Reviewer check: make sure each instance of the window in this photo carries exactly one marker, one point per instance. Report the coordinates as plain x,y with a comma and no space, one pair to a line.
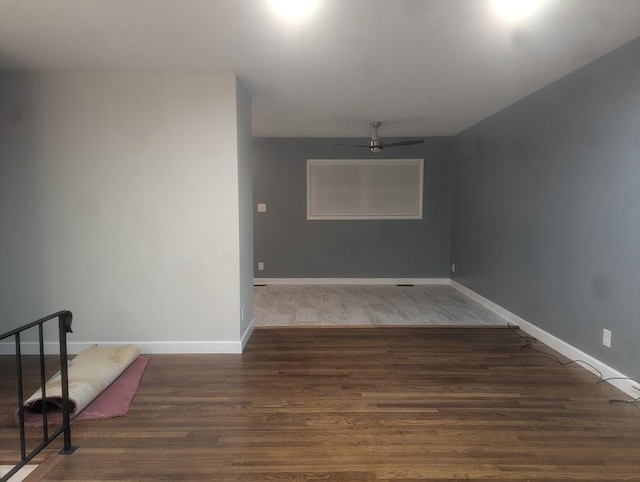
364,188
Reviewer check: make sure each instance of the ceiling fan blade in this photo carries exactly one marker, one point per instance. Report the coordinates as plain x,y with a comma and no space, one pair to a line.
353,145
404,143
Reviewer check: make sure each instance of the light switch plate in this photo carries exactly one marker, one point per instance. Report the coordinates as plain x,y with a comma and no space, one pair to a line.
262,208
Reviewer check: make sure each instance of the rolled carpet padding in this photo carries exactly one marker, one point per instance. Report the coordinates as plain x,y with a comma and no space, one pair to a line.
90,373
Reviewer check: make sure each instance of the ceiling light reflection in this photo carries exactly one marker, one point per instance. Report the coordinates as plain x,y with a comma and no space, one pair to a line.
516,10
293,11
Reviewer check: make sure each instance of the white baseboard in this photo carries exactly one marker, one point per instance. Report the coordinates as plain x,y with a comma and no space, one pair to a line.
244,339
351,281
571,352
146,347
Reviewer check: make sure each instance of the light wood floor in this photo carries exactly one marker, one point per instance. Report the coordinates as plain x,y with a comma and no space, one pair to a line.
357,404
368,305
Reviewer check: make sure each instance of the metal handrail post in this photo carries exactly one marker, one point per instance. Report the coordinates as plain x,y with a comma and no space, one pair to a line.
64,326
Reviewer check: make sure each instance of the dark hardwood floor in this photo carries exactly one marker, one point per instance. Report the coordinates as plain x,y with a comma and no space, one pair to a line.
357,404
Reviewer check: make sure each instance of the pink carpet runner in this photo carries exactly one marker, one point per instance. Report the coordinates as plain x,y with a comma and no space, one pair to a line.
113,402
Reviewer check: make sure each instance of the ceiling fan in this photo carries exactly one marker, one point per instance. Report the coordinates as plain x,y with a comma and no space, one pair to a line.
376,144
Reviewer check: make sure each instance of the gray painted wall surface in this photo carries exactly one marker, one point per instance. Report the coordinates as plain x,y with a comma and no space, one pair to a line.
119,200
546,215
245,204
291,246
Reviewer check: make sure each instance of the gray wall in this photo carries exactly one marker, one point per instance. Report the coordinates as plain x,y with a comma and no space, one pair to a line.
120,200
245,205
291,246
546,215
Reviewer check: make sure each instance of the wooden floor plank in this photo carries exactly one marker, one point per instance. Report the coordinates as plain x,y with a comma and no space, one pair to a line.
357,404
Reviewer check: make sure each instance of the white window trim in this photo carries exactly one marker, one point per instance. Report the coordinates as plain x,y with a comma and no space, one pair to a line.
364,162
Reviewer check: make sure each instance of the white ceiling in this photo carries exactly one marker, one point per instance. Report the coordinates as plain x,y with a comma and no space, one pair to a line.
424,67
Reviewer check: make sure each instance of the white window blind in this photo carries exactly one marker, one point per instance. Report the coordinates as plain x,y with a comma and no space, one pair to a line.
364,188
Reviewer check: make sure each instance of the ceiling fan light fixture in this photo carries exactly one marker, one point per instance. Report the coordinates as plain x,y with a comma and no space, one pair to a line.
376,144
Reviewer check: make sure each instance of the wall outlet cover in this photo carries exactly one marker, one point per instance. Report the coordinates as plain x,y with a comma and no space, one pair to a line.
606,338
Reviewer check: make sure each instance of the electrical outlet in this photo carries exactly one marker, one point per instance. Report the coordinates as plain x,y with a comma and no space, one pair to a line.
242,313
262,208
453,267
260,266
606,338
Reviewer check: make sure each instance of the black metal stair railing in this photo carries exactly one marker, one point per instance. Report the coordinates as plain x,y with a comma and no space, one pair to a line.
64,327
